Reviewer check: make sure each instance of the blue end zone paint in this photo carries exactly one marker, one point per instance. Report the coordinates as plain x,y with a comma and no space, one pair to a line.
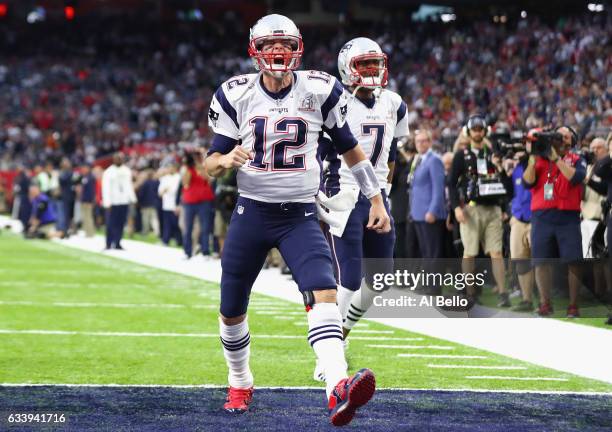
171,409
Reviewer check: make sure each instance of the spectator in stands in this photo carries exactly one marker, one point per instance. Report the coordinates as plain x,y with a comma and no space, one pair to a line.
556,182
427,203
117,194
198,199
168,189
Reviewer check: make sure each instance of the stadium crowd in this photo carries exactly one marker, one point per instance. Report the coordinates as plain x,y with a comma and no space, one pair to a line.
87,91
121,89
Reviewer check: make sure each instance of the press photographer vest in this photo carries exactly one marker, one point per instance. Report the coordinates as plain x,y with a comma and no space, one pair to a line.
471,164
565,195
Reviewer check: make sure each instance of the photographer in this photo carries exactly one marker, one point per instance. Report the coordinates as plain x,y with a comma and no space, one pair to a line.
477,188
555,177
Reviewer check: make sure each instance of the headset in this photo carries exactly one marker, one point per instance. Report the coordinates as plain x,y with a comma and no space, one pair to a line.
575,138
476,120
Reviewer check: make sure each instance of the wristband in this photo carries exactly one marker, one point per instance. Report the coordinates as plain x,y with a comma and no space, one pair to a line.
366,178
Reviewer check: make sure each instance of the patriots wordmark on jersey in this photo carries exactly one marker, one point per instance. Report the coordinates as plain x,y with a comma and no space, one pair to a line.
281,130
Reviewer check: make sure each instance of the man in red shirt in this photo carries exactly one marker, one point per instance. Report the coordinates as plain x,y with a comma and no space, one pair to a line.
198,201
556,187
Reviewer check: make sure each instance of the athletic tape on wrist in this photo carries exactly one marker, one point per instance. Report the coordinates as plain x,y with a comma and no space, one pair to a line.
366,178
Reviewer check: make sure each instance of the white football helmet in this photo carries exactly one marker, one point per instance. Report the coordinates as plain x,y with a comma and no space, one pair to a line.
354,74
275,27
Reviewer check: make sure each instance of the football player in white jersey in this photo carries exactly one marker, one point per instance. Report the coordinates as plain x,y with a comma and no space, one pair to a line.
377,118
267,126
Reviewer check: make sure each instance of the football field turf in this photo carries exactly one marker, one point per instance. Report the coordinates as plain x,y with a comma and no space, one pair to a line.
72,317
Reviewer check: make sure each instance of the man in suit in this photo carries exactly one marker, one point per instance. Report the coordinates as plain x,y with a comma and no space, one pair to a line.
427,202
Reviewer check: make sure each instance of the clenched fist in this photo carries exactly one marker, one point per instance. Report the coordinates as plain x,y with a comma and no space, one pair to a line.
236,158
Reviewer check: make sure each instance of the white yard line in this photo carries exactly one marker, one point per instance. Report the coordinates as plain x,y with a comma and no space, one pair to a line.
543,342
46,332
107,305
447,356
288,388
434,347
363,331
356,327
443,366
258,312
493,377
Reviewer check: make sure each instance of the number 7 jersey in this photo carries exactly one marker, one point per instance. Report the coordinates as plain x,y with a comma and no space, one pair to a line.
281,130
375,124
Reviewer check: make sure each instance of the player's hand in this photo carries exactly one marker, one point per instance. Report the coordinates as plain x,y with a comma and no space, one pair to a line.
460,215
236,158
379,220
430,218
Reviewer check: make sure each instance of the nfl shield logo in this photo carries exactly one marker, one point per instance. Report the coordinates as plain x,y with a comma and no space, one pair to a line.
240,209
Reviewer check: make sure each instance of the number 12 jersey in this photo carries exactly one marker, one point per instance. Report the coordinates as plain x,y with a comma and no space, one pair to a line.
282,130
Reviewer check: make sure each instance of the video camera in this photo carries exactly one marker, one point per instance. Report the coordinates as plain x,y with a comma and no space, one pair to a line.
507,144
543,141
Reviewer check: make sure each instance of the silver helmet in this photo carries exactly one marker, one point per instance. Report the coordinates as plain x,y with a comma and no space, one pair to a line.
362,63
275,28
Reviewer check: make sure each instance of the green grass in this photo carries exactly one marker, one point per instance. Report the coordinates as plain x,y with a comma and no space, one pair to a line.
45,274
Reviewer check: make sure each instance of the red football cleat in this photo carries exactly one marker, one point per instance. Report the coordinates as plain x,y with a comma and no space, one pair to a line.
238,400
350,394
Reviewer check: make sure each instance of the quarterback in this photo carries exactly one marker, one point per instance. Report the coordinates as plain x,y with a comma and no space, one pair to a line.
267,126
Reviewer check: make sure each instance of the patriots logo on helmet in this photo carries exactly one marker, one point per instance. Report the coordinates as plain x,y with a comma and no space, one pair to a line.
347,46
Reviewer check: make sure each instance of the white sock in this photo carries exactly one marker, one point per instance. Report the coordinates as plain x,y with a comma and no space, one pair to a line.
236,342
325,338
344,297
360,303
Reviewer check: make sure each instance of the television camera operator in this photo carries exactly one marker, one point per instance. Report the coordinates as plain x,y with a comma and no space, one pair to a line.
555,176
478,189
